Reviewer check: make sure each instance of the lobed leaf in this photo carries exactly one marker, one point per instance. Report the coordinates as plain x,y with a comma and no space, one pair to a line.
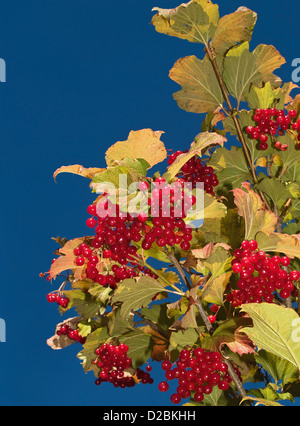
200,91
142,144
251,208
243,68
273,330
195,21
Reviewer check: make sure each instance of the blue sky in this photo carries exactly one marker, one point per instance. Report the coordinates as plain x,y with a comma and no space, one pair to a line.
81,76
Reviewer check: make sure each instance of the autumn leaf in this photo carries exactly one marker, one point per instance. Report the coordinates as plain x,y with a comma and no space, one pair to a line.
195,21
198,147
142,144
78,170
159,344
279,243
243,68
200,91
252,209
58,342
233,29
229,334
66,260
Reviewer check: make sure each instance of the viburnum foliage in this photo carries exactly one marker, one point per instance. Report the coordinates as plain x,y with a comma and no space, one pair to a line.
210,290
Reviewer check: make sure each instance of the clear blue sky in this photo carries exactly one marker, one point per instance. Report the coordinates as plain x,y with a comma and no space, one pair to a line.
80,76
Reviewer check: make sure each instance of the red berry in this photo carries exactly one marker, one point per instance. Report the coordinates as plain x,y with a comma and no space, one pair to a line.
91,222
211,318
292,113
80,261
163,387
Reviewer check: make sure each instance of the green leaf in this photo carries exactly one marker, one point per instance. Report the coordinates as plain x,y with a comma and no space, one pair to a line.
85,328
290,157
195,21
93,341
158,315
84,304
140,347
278,368
136,294
261,401
263,97
200,92
275,190
273,330
230,167
182,338
118,325
270,393
243,68
233,29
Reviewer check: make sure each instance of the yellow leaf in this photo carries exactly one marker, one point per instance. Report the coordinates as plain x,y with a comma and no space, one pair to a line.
78,170
144,144
252,209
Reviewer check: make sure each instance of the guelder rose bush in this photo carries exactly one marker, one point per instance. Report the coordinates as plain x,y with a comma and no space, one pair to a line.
214,301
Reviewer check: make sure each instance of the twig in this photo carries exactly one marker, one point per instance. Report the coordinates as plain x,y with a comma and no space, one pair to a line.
204,316
180,270
236,381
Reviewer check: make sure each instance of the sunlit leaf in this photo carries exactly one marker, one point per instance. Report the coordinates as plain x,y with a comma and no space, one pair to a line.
200,91
252,209
273,330
243,68
195,21
233,29
142,144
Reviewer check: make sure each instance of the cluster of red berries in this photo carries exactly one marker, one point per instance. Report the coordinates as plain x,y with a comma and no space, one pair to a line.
196,171
271,122
261,276
72,333
198,371
88,255
113,362
61,300
162,221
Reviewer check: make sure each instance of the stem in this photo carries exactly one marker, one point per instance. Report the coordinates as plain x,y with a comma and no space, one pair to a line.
232,113
204,316
236,381
180,271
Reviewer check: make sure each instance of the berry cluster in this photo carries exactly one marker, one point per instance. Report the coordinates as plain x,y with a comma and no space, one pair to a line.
88,255
164,211
73,334
198,371
271,122
260,276
59,299
195,170
113,362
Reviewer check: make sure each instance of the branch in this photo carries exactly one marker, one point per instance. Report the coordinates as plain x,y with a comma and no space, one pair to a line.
236,380
180,271
232,113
